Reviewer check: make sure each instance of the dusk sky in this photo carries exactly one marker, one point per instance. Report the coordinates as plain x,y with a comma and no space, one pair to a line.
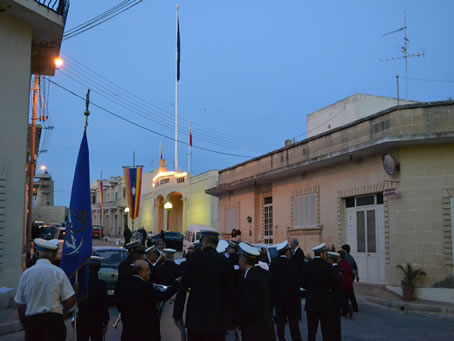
250,73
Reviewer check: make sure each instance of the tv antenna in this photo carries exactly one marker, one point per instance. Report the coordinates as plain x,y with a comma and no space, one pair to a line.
405,54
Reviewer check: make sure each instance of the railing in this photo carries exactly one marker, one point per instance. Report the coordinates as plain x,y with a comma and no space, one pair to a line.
58,6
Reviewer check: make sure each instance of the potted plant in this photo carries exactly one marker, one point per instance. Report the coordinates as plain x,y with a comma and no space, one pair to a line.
408,282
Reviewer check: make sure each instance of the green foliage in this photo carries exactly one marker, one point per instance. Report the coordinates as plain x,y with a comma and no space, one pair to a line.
410,275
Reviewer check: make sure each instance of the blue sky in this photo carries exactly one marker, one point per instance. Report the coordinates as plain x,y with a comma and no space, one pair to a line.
250,73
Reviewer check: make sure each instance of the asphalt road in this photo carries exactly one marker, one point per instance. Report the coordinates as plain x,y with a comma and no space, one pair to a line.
371,323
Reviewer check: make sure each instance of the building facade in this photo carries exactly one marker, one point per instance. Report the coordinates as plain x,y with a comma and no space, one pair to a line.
383,184
112,217
189,204
30,39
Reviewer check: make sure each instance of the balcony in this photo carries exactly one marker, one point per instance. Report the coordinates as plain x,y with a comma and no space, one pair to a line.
46,19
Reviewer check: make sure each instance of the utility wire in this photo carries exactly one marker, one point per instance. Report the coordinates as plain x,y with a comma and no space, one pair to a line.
196,128
145,128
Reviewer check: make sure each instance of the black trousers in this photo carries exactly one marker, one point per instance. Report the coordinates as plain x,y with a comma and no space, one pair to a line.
194,335
292,317
350,295
45,327
89,330
328,325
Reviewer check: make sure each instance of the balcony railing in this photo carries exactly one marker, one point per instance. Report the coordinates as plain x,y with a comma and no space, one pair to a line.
58,6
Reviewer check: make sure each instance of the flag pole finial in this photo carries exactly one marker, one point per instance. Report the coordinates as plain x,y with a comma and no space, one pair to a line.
87,112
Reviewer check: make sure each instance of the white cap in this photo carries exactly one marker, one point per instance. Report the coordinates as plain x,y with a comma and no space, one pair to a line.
96,259
332,254
249,251
319,248
172,251
222,246
45,245
282,246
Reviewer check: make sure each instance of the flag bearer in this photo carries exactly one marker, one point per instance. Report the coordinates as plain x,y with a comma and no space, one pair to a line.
43,291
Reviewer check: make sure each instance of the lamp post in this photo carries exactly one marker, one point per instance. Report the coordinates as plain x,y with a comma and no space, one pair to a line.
168,206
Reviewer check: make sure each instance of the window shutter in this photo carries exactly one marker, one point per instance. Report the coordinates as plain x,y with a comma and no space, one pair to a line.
304,211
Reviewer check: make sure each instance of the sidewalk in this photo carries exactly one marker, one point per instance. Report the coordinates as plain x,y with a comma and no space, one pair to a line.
9,320
378,294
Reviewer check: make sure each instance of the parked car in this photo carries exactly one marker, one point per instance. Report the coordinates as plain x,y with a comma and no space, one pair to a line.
173,239
47,231
97,232
112,257
193,234
60,235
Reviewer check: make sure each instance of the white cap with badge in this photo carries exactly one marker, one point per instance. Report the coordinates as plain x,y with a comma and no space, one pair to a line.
222,246
45,245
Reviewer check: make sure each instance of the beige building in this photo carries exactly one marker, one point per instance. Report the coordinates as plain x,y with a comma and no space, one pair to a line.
190,205
383,183
113,218
30,39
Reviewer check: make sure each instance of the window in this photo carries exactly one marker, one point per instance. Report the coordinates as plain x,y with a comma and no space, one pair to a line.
116,195
93,199
231,219
268,219
365,201
124,192
180,180
304,211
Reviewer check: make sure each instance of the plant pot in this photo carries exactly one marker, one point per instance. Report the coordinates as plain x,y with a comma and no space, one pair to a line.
408,293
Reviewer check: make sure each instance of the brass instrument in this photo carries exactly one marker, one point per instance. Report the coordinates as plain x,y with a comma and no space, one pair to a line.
117,321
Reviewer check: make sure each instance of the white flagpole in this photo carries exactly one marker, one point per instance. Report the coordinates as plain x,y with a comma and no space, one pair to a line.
176,99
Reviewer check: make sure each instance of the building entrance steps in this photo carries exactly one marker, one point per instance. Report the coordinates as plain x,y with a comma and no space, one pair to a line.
379,294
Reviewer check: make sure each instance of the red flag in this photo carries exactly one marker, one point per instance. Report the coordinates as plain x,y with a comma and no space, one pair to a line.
190,137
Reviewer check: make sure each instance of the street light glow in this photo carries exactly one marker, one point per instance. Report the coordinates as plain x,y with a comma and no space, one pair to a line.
58,62
168,205
43,167
126,209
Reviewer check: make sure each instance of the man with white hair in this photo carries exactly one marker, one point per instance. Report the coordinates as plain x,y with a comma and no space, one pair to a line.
43,291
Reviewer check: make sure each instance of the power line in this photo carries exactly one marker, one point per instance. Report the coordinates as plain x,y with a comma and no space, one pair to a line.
145,128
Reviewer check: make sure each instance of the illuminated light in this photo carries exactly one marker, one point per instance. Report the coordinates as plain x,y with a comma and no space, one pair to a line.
126,209
58,62
42,167
168,205
175,174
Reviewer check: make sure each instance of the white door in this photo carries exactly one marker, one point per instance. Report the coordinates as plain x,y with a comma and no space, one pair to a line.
365,234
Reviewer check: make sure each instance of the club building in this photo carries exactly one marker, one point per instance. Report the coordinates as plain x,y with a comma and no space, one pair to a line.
170,201
373,174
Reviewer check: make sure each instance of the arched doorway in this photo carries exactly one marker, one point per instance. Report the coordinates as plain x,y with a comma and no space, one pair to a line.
160,213
175,214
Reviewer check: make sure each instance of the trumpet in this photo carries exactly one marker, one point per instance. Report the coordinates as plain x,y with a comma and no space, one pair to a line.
117,321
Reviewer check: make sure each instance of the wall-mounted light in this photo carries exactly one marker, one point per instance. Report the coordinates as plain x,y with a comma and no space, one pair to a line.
168,205
249,219
126,209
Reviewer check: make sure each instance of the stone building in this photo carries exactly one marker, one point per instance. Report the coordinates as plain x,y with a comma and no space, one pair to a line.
383,183
113,218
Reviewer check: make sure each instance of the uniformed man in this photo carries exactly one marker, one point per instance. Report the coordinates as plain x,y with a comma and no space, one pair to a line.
43,291
93,316
299,258
207,277
253,303
222,247
167,272
333,258
139,300
320,280
285,292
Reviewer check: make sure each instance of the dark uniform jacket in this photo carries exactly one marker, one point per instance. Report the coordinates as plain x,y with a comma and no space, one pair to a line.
254,310
338,290
139,315
93,310
207,277
124,274
166,273
298,258
320,281
285,287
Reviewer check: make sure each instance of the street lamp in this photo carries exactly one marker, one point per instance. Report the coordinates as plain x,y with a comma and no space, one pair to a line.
168,206
58,62
42,168
126,209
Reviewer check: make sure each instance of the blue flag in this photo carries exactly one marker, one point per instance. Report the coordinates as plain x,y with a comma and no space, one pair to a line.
77,247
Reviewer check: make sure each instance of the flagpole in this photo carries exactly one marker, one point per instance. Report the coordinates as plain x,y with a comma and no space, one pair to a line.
76,309
189,148
102,199
176,92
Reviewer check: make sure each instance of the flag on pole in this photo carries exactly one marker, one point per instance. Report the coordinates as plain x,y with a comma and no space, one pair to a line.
190,135
101,195
77,247
178,49
133,179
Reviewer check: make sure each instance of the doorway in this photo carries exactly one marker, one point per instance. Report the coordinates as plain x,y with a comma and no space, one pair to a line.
366,235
